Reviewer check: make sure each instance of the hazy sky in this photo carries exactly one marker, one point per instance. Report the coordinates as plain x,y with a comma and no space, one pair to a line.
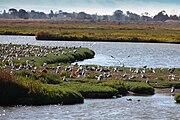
95,6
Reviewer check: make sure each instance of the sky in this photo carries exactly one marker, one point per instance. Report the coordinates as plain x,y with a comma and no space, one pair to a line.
101,7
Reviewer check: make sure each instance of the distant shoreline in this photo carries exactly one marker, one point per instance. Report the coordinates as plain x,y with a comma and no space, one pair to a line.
84,40
166,90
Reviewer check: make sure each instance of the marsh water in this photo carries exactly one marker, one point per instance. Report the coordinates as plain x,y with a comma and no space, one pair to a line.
153,55
158,106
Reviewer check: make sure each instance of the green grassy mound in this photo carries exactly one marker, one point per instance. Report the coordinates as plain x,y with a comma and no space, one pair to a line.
90,90
177,98
23,91
139,88
120,86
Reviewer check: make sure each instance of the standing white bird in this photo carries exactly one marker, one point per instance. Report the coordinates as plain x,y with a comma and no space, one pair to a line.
172,89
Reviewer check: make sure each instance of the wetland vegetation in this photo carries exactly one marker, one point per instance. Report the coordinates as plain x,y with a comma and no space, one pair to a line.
38,75
110,31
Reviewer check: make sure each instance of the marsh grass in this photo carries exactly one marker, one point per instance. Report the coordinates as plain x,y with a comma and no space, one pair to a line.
134,31
140,88
177,97
11,89
119,85
20,90
91,90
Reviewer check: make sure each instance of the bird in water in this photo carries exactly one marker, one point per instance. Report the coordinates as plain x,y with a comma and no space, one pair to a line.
128,99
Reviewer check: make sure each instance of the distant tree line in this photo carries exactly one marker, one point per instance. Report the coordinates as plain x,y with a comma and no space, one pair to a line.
117,15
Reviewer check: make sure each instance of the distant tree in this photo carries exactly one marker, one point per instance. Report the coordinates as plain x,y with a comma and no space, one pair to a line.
5,15
132,16
12,10
42,15
146,13
14,13
118,15
145,16
23,14
33,11
4,12
83,15
60,11
173,17
105,17
161,16
51,14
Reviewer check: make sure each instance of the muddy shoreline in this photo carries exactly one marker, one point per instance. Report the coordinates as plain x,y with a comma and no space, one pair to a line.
166,90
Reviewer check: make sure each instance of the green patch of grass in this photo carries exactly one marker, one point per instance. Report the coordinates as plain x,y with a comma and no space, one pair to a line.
166,84
91,90
139,88
120,86
134,31
177,97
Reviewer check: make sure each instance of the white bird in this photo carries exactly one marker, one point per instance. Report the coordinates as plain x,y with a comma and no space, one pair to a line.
132,77
154,71
172,89
100,77
137,70
64,78
124,75
143,76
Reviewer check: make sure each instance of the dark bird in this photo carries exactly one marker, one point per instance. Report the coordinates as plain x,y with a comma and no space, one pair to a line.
113,57
145,66
147,81
128,99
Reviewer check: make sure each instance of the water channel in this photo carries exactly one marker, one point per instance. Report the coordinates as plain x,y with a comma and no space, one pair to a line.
153,55
158,106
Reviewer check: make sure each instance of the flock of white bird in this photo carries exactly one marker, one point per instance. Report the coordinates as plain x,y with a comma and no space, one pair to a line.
10,52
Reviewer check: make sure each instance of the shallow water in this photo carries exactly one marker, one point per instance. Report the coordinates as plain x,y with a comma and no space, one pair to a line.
151,54
158,106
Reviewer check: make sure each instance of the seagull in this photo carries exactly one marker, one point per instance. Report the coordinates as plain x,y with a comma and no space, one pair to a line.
124,75
120,61
64,78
